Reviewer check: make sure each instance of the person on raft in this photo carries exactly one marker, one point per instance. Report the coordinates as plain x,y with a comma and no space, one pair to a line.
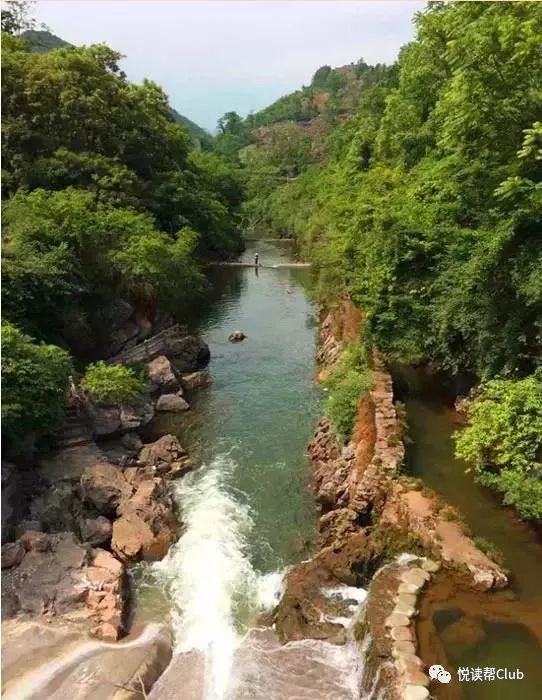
256,259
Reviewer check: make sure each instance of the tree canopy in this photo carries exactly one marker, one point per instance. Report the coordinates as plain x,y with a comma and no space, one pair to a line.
106,197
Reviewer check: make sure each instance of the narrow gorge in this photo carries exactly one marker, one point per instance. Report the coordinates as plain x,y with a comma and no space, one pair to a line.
272,392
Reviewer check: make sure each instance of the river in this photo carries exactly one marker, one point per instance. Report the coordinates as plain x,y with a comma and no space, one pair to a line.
246,509
248,514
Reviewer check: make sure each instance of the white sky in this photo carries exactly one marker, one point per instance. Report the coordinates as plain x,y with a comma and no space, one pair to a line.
212,56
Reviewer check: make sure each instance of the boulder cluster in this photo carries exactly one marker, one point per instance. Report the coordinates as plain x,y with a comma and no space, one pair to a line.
69,558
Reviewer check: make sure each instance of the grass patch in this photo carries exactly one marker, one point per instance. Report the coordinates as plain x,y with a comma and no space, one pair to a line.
347,382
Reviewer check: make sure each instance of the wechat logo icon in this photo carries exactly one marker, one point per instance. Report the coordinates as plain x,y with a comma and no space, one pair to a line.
439,673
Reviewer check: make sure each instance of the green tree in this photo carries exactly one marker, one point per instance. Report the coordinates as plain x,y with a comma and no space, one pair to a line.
112,383
34,383
504,440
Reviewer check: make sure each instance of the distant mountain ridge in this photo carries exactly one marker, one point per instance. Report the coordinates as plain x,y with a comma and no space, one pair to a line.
43,40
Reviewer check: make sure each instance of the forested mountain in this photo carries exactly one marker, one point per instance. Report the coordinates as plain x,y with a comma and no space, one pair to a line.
41,40
197,132
425,206
107,207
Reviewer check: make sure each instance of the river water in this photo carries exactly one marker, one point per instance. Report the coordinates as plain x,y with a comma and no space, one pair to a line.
247,510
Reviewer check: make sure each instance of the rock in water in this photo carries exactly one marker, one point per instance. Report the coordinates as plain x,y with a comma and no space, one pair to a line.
172,403
195,380
236,337
167,456
162,375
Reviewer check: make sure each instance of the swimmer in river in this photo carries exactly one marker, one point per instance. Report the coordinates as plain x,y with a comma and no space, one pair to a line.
256,259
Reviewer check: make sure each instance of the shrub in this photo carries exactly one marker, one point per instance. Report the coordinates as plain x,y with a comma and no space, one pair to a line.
112,383
504,440
347,382
34,381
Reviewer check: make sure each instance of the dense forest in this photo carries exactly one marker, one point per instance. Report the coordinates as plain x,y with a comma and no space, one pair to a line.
110,209
416,189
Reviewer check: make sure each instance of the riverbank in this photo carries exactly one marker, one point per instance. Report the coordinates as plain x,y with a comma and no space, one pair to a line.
99,503
371,513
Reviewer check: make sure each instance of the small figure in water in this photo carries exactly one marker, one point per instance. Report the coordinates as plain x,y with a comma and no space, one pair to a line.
256,259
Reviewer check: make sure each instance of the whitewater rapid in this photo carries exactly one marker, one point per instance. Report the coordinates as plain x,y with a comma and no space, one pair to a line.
213,587
217,596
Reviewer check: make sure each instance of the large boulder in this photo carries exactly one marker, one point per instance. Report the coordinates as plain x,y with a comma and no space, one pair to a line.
162,375
103,486
111,418
55,509
195,380
171,403
188,353
137,414
165,457
104,418
96,530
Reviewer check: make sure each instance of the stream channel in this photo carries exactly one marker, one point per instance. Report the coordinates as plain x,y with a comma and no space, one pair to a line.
248,513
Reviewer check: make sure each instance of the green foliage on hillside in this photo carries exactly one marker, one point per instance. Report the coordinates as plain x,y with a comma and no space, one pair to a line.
504,440
199,135
426,203
41,40
34,381
106,197
112,383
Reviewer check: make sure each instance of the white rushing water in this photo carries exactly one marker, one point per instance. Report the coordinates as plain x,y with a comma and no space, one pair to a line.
217,595
210,578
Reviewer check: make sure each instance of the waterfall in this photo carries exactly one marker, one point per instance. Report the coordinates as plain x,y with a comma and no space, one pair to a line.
208,573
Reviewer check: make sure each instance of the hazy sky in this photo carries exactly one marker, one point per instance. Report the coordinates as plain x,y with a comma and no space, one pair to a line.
212,56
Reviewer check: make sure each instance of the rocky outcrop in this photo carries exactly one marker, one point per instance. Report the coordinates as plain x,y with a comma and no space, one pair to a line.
60,566
171,403
112,418
438,527
165,457
369,514
53,575
52,660
162,376
140,506
187,353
